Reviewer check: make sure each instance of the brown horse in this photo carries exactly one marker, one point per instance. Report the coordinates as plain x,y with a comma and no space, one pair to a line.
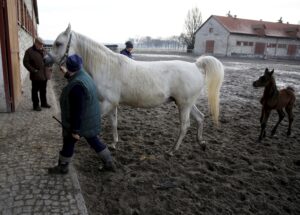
274,99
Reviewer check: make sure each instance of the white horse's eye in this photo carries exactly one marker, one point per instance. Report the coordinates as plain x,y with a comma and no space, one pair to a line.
58,44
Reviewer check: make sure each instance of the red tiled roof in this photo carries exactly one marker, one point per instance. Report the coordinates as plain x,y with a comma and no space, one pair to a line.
257,27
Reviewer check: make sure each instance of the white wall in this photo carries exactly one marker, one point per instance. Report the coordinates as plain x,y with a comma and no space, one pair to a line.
233,49
219,35
225,44
25,41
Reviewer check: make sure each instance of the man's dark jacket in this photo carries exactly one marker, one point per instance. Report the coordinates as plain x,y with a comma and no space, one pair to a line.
33,62
87,121
126,53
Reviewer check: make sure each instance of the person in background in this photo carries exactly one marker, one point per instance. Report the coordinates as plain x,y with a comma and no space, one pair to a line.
33,62
80,114
128,49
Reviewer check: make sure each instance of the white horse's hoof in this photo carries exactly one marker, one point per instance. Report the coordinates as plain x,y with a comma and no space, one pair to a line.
203,145
201,142
171,153
112,146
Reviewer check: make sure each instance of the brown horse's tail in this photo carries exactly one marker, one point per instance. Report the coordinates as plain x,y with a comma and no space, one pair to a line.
293,97
290,89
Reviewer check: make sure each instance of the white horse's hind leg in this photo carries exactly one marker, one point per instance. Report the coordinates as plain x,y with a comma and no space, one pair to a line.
184,123
200,119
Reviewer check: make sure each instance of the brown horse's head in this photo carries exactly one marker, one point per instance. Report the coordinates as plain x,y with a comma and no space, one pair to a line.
265,79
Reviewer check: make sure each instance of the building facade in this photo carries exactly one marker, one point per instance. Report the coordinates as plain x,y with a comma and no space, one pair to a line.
18,28
231,36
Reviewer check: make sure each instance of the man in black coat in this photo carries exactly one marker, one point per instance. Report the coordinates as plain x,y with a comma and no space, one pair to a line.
33,62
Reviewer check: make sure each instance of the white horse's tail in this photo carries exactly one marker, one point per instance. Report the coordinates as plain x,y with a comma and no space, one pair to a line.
214,74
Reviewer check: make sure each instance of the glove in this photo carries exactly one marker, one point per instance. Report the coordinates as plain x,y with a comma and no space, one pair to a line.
76,136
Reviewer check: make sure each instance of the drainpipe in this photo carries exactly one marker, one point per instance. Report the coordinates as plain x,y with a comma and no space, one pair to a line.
276,48
32,18
227,45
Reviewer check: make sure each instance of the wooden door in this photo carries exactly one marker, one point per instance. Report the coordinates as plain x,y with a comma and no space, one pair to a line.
6,96
10,53
209,48
291,51
260,48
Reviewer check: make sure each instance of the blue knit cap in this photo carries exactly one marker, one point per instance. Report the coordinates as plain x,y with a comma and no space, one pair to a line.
129,44
74,63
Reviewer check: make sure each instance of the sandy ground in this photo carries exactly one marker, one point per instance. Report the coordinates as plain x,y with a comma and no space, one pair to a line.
234,175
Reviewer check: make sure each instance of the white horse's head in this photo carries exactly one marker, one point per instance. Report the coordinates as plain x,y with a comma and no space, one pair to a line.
60,49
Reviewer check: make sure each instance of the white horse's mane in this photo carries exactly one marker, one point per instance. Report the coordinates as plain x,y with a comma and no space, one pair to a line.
97,56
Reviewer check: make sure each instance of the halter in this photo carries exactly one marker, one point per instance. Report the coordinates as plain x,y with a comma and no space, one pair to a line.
64,57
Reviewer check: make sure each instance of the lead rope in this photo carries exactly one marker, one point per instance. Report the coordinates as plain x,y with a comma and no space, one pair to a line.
63,59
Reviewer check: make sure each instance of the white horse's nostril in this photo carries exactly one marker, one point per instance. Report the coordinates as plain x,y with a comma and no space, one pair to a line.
48,60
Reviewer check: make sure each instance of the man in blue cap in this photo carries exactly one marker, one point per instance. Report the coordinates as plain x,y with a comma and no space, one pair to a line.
127,51
80,114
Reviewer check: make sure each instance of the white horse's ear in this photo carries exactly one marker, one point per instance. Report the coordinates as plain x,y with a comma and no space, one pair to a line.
68,30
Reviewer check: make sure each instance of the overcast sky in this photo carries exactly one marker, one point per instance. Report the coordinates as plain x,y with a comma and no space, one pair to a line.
114,21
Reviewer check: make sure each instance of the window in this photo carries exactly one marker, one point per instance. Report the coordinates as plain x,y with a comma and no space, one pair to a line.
282,46
22,13
24,18
211,30
18,11
271,45
244,43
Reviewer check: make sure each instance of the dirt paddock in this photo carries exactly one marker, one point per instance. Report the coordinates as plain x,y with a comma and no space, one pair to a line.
234,175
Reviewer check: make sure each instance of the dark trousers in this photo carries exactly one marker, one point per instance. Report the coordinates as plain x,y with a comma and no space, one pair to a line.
69,144
39,87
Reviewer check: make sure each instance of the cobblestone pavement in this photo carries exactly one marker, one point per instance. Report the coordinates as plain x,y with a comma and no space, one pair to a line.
29,144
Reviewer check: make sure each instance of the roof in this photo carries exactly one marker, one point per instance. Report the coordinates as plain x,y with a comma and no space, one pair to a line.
258,27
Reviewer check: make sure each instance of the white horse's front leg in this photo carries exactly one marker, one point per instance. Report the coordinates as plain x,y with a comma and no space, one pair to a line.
113,115
184,124
105,107
108,108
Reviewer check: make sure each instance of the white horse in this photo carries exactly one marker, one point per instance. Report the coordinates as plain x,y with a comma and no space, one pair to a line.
123,81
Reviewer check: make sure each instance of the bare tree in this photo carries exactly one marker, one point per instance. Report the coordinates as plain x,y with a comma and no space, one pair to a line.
192,23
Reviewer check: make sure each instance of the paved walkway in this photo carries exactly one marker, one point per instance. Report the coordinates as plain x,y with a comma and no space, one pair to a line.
29,144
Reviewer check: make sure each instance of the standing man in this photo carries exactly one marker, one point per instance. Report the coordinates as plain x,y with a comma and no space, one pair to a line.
80,114
33,62
127,51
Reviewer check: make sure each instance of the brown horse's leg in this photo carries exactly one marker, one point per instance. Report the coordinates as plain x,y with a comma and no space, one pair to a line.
281,116
263,124
289,110
262,114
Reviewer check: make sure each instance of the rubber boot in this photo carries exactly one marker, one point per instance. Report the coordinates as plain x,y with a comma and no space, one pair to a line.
107,160
62,167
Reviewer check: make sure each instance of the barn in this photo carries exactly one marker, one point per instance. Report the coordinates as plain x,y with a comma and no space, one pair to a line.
232,36
18,28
